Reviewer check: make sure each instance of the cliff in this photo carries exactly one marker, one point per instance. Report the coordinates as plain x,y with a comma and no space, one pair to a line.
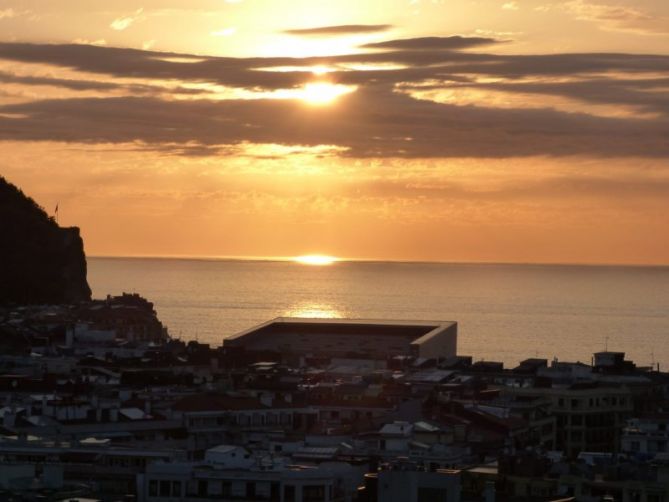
40,262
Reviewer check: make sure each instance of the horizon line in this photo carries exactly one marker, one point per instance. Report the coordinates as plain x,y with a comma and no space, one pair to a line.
292,259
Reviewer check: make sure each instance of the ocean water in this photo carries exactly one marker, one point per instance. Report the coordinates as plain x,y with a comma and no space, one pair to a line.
505,312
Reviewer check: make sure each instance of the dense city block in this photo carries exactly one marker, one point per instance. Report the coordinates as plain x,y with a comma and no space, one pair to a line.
99,402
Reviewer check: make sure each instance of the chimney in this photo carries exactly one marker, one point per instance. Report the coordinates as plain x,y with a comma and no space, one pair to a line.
266,399
9,418
489,491
69,336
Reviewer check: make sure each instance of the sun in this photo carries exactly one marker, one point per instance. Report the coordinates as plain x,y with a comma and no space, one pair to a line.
323,93
315,259
318,93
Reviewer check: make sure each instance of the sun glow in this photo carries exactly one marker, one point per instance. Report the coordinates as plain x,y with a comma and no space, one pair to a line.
322,93
315,259
314,93
318,70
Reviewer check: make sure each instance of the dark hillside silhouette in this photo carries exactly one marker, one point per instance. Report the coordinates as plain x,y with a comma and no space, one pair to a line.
40,262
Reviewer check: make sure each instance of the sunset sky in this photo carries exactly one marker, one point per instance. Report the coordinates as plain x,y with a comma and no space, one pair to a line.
452,130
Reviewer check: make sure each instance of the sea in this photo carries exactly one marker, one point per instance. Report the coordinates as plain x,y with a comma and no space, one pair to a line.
504,312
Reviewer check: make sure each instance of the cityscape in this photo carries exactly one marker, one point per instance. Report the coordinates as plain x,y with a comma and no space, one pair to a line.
99,402
334,251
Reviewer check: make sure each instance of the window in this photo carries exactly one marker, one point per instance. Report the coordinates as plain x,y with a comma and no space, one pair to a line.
274,491
250,490
289,493
432,494
313,493
165,489
153,488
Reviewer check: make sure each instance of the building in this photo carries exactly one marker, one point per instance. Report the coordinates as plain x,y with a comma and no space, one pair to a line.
646,436
403,481
106,470
590,416
349,338
234,473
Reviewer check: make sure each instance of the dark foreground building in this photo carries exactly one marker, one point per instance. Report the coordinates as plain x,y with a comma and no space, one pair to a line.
365,338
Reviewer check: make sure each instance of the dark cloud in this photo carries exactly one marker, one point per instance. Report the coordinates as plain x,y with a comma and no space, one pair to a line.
243,72
75,85
369,123
432,43
637,93
95,85
376,120
132,63
344,29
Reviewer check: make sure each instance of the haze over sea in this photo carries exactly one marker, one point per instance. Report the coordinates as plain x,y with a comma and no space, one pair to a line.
505,312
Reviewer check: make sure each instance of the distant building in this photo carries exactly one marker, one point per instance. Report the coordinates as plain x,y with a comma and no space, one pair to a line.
646,436
407,482
590,417
233,473
350,338
108,471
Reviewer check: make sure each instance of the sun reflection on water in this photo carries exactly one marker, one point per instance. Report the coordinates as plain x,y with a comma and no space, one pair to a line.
315,310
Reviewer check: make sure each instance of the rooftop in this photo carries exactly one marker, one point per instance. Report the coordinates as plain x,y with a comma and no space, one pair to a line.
371,338
337,327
